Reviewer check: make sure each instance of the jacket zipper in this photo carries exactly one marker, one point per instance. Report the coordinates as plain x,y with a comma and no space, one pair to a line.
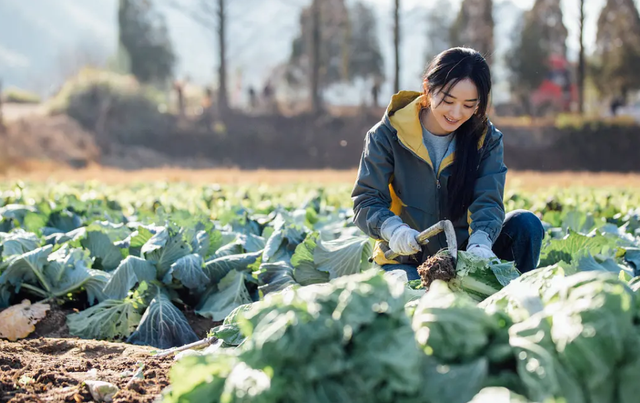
435,174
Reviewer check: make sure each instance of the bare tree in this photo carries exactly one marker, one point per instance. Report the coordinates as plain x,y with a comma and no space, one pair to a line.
211,15
315,56
223,100
617,53
396,45
581,62
319,54
474,27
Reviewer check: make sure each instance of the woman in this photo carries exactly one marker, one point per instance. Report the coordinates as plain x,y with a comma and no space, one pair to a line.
436,156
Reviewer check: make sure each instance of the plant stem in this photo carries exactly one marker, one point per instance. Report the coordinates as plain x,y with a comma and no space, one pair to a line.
134,376
201,343
35,289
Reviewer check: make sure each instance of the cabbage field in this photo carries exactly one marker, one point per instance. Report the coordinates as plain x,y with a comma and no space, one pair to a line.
277,282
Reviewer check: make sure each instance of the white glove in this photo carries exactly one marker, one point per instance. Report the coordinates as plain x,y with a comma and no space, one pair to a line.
401,237
403,241
482,251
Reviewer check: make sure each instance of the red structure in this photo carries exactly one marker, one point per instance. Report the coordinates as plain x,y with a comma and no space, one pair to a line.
558,91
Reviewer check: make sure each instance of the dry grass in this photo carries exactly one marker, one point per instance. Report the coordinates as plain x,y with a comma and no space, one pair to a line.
526,180
222,176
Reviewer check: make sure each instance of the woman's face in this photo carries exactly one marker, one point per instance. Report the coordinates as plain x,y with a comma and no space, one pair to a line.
450,109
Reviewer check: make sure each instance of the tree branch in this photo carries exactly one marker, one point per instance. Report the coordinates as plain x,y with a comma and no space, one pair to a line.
204,18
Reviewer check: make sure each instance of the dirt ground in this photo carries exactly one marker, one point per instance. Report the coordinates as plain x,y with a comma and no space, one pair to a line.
53,370
51,366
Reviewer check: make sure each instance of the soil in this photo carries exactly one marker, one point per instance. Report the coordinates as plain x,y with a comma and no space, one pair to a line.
440,266
54,369
56,139
51,365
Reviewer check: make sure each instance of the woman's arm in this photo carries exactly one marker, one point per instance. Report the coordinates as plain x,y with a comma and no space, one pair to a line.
486,212
371,195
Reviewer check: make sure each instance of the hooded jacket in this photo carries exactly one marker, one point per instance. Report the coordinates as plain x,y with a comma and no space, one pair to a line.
396,177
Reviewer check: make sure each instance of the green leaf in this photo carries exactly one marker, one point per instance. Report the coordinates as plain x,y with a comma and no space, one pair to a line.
164,249
63,221
455,383
505,272
583,261
28,268
282,243
567,248
452,328
233,248
34,222
476,278
275,277
578,221
68,271
115,232
632,257
232,292
131,271
109,320
17,242
217,268
273,244
188,270
162,325
522,297
251,243
139,237
339,257
305,269
199,378
229,331
72,237
16,212
107,255
5,295
541,372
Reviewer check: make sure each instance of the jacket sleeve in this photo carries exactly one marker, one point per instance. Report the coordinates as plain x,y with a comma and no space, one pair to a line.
486,212
371,195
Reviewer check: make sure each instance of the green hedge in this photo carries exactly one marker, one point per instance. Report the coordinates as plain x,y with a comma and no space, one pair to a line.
128,111
19,96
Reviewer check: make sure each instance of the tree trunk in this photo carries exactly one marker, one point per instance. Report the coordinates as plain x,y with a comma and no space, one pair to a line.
315,56
223,104
581,62
396,45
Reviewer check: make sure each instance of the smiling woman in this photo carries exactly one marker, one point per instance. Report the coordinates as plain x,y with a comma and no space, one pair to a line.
436,156
453,107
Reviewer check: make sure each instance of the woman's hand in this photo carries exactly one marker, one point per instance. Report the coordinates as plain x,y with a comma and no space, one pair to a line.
401,237
482,251
403,241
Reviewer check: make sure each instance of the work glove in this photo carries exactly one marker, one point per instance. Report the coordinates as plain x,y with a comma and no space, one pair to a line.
482,251
401,237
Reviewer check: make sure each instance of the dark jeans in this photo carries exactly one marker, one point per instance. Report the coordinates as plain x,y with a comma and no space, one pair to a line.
519,241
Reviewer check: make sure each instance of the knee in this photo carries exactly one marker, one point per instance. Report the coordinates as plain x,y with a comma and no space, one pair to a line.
528,222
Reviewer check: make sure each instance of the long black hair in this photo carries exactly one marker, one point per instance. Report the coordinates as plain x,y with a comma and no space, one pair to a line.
443,73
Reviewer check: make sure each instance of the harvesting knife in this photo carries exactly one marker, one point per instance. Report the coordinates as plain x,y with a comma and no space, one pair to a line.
423,238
